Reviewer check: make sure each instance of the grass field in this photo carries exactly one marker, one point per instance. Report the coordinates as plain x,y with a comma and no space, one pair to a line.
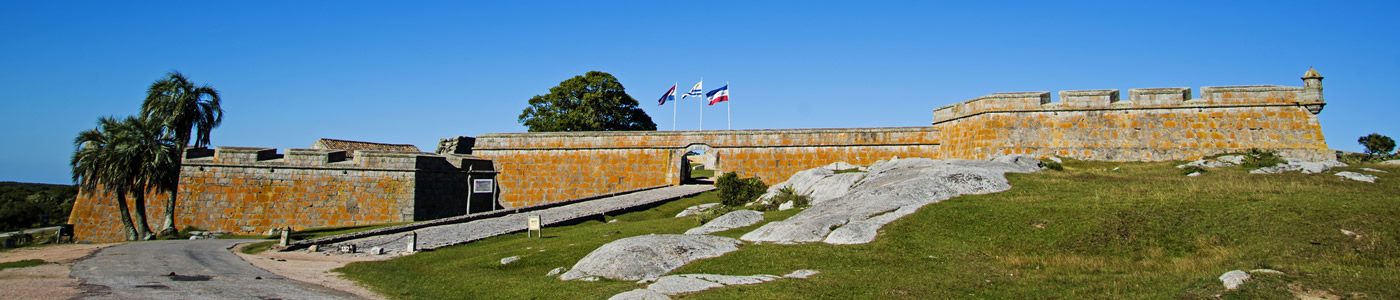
21,263
702,173
1140,231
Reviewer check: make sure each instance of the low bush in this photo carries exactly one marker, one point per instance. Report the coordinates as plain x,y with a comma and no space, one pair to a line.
18,240
1053,165
1255,158
735,192
789,194
1356,158
851,170
1192,169
712,213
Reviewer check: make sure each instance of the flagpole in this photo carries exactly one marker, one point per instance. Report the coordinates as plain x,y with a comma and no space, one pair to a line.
673,105
702,104
727,104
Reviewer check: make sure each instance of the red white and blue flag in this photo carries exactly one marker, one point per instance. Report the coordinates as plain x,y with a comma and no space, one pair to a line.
669,96
718,95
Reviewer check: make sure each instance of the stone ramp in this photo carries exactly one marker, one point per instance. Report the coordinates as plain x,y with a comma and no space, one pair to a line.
433,237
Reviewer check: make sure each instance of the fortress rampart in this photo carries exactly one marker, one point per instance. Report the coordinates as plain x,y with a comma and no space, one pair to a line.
539,168
251,190
1150,125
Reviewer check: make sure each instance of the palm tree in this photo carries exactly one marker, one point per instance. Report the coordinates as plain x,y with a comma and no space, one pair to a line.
186,111
96,163
150,158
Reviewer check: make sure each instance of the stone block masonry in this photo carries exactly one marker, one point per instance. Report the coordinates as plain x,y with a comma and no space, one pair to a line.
1152,125
252,190
538,168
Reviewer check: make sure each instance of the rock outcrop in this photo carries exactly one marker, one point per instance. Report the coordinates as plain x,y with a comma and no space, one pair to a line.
697,209
728,221
888,191
648,256
1306,167
1357,176
820,184
690,283
1233,279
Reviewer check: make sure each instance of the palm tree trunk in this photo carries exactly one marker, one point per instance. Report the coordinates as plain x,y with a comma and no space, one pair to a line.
127,226
140,213
168,227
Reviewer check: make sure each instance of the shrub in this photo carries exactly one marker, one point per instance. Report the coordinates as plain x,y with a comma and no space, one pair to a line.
19,239
1050,164
851,170
1192,169
1377,144
712,213
1255,158
789,194
734,192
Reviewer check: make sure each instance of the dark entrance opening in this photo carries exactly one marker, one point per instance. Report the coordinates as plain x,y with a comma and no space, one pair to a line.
699,164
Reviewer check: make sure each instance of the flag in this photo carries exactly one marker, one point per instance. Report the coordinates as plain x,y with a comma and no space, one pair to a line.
669,96
695,91
718,95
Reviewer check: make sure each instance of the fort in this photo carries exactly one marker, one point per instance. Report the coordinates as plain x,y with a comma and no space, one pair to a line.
251,190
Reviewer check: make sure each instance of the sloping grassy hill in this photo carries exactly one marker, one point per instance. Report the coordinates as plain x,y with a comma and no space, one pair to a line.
1095,230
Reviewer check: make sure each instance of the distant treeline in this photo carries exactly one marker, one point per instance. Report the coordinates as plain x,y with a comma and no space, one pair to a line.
25,205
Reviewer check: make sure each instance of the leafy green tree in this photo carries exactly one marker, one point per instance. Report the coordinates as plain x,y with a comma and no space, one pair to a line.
595,101
24,205
189,113
1377,144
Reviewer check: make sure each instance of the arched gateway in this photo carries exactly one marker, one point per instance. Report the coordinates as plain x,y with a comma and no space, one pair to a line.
538,168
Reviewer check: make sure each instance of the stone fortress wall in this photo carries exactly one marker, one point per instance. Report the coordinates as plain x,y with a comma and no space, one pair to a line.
1150,125
252,190
539,168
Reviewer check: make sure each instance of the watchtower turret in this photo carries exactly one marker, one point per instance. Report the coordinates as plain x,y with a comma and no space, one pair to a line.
1312,91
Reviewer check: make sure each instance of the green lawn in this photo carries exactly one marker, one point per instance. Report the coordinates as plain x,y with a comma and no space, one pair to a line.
702,173
21,263
1142,231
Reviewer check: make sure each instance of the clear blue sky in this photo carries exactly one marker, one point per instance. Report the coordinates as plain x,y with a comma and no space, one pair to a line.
412,73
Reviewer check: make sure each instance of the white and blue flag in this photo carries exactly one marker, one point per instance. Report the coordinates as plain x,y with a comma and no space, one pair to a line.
696,91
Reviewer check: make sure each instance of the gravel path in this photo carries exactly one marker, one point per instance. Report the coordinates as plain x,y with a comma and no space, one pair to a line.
452,234
186,269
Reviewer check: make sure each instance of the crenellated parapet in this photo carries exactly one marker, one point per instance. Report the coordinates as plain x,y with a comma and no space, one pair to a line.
333,159
1149,124
1308,96
250,190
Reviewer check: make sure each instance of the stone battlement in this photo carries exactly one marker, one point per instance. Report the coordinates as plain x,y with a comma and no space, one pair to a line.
1148,98
332,159
250,190
717,138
